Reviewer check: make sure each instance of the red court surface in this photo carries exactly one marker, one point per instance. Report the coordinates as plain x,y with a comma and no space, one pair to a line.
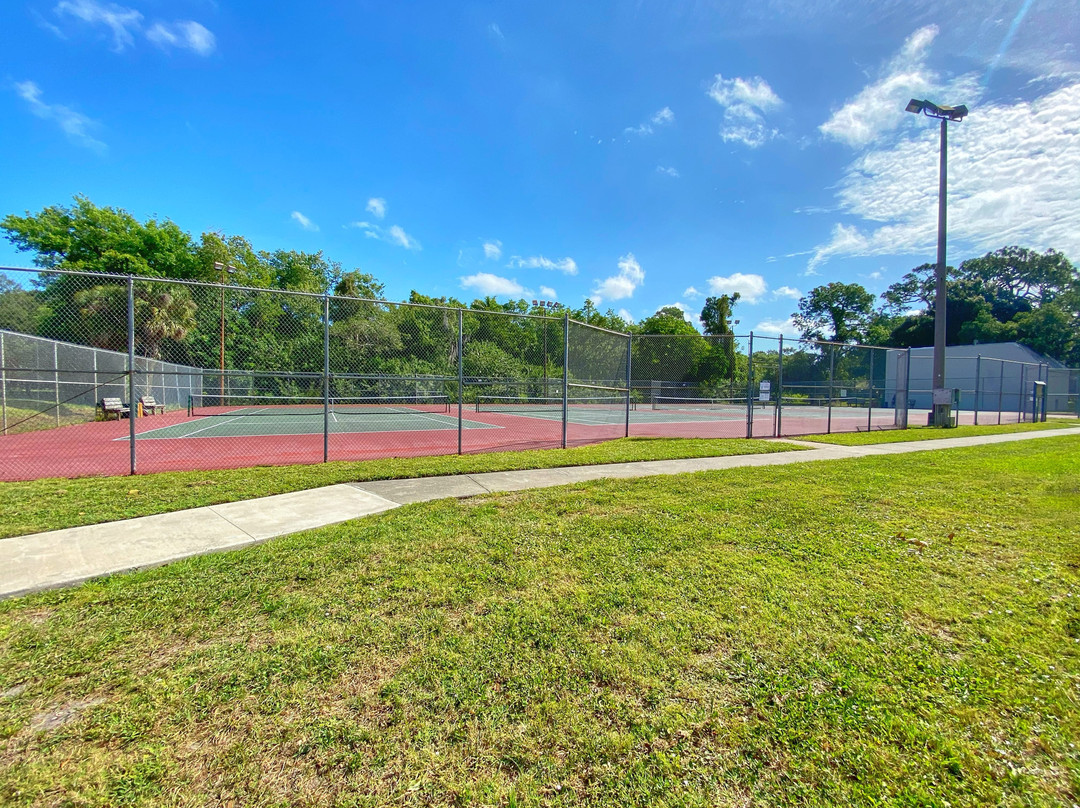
102,448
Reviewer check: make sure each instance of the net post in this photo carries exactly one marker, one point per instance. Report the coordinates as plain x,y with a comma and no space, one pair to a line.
326,378
750,387
978,378
778,420
132,406
565,375
629,368
461,374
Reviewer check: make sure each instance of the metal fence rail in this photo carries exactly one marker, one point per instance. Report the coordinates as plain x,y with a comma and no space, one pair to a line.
222,376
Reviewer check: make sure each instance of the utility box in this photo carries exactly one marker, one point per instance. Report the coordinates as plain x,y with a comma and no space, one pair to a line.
1038,402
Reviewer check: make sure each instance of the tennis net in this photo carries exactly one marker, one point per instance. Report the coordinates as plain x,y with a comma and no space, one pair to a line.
685,404
236,406
549,404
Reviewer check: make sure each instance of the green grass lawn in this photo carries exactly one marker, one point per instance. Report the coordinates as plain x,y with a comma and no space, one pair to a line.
900,630
930,433
30,507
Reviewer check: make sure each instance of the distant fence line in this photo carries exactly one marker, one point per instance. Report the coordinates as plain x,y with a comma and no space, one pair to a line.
433,379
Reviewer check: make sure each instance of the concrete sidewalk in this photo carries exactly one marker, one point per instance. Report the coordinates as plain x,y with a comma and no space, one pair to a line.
65,557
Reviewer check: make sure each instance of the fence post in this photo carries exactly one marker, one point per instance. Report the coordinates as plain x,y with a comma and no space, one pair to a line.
870,395
629,370
56,383
779,425
832,366
750,387
326,378
1020,408
978,385
565,375
461,372
133,406
3,383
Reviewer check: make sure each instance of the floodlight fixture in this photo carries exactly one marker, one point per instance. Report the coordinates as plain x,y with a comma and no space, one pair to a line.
932,110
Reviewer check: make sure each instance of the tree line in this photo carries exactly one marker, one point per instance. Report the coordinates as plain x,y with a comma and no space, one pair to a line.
1011,294
266,331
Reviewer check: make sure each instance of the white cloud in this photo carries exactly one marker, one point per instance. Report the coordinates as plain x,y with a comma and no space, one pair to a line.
787,291
1014,171
183,34
776,327
74,124
879,107
304,221
493,250
565,265
668,171
486,283
548,293
745,103
402,239
625,315
376,206
622,285
663,117
691,293
496,31
392,235
119,20
751,288
124,23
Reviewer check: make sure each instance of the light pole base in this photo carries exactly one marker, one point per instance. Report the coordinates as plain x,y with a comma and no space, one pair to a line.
942,416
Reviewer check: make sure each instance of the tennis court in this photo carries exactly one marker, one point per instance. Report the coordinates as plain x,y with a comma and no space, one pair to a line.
269,417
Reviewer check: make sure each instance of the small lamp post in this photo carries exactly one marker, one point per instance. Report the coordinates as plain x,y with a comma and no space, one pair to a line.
942,397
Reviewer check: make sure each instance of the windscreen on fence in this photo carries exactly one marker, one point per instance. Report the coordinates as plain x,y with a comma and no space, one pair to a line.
206,375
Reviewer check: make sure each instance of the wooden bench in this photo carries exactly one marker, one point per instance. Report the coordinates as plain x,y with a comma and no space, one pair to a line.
150,405
114,406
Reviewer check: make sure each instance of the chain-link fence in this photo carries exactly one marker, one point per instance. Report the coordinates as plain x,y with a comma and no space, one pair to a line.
990,390
132,374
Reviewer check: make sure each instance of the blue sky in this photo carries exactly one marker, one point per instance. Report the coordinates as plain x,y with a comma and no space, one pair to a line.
637,153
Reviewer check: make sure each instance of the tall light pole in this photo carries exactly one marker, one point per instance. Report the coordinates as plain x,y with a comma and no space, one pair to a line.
545,306
223,269
942,397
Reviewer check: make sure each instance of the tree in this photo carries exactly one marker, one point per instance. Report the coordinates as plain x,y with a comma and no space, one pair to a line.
86,237
162,312
839,312
716,321
716,314
668,349
20,309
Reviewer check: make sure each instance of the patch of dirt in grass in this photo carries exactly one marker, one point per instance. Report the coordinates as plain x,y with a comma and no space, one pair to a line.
36,617
47,720
59,716
936,629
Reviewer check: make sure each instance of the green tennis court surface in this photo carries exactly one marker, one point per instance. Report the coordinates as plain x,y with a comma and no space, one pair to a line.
245,423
